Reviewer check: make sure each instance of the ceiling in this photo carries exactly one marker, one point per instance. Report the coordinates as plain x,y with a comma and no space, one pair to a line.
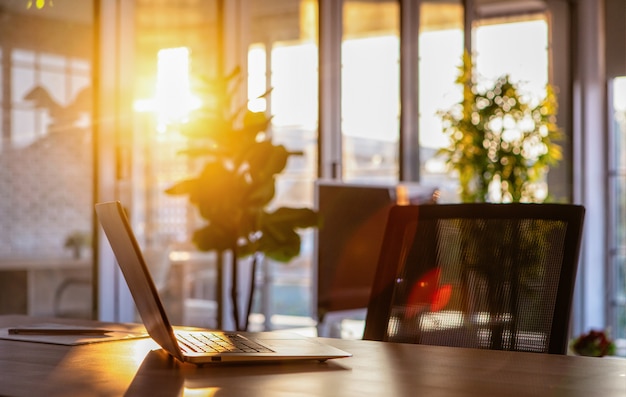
68,10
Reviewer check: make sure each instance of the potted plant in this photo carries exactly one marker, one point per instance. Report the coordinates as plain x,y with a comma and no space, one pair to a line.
236,183
595,343
76,242
501,146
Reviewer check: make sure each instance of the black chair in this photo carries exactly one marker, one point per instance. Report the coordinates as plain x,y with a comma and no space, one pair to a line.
494,276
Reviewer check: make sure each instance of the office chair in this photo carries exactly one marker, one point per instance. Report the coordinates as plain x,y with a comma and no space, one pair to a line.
494,276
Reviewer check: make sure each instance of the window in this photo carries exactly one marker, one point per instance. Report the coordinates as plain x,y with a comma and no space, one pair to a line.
517,46
440,53
285,295
275,43
49,93
46,161
281,53
617,180
370,76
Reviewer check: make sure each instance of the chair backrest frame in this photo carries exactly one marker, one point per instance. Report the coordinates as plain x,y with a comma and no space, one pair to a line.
402,217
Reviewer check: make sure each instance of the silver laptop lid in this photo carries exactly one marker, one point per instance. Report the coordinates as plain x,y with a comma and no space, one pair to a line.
117,228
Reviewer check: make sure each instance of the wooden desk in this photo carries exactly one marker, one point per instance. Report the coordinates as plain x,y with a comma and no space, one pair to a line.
133,368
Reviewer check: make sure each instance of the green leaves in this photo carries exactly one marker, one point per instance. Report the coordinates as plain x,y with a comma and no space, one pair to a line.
237,182
498,141
278,237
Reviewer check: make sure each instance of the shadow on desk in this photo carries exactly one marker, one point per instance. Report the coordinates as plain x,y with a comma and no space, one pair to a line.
150,379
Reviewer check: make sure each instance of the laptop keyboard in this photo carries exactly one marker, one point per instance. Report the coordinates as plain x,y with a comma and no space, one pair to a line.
218,342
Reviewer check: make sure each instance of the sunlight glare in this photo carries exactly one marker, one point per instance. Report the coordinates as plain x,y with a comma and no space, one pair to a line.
256,78
173,100
201,392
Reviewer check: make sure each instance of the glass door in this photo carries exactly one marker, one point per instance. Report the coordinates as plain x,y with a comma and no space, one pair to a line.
46,158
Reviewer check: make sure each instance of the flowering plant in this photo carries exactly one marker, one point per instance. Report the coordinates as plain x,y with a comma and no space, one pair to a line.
594,344
501,143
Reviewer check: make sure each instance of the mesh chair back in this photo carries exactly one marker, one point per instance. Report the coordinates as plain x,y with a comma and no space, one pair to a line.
494,276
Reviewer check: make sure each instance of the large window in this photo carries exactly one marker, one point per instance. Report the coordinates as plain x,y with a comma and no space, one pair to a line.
276,45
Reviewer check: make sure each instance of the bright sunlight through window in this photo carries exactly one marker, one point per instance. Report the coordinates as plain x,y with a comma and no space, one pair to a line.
173,100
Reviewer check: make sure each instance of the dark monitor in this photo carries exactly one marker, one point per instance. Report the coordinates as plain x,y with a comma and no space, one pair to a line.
353,219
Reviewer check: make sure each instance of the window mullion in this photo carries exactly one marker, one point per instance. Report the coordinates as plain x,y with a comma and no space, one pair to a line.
409,90
330,28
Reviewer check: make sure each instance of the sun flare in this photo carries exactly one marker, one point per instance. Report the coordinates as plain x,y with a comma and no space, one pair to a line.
173,100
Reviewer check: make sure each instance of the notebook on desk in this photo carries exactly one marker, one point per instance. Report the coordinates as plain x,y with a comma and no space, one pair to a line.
196,346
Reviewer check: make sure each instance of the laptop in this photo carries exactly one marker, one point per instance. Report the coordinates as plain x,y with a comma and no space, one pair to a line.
201,346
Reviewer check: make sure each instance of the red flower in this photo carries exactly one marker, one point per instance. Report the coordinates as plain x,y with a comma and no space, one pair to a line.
594,344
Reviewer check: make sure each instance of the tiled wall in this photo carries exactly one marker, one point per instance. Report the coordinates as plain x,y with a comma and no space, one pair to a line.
46,194
46,186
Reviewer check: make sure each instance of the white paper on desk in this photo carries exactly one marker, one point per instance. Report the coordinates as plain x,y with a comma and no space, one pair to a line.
70,340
